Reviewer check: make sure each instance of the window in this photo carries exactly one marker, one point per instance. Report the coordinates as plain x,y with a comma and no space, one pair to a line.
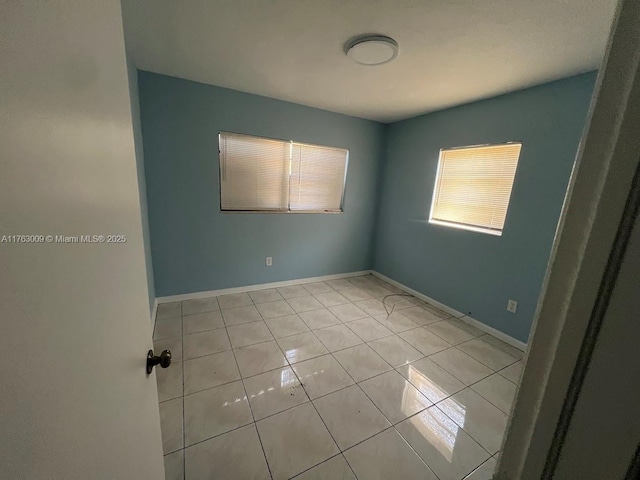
473,187
260,174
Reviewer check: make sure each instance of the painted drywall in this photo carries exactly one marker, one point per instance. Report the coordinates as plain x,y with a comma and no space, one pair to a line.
194,246
469,271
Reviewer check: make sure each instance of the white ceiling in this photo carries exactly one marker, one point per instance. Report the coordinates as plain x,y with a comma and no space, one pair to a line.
451,51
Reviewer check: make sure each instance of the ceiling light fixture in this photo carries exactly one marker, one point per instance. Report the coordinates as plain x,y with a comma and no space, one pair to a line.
371,49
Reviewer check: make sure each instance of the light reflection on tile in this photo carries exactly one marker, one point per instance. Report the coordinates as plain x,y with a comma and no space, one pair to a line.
396,398
442,444
322,375
274,391
301,347
433,381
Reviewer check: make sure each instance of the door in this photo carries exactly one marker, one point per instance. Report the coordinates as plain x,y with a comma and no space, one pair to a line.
75,400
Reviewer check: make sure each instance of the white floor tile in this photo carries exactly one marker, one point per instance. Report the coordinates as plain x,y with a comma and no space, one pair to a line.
322,375
286,326
377,291
372,307
171,425
174,466
292,291
209,371
461,365
215,411
479,418
295,440
201,322
249,334
168,310
321,318
331,299
487,354
167,328
234,300
266,295
421,316
214,419
174,345
236,455
484,472
200,305
274,391
395,351
361,362
337,337
275,309
431,380
449,332
303,346
205,343
350,416
169,381
513,372
339,284
498,390
259,358
442,444
355,294
348,312
240,315
513,351
335,468
396,322
304,304
424,341
386,456
317,287
396,398
369,329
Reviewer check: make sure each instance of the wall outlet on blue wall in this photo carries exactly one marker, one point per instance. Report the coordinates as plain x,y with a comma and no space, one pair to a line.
512,306
269,261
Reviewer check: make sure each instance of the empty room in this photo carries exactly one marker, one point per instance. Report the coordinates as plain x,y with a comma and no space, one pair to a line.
319,239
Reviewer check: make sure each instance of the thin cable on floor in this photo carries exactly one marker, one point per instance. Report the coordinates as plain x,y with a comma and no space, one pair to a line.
406,295
394,305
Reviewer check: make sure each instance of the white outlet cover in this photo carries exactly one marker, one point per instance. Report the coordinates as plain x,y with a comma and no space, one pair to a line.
269,261
512,306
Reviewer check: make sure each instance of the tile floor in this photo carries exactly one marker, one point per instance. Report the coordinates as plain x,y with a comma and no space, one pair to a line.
315,381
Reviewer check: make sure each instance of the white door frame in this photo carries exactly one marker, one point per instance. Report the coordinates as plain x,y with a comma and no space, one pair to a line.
588,249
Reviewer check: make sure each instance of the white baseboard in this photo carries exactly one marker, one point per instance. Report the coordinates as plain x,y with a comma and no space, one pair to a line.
261,286
465,318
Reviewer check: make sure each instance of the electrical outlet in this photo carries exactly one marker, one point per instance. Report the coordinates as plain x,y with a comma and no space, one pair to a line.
269,261
512,306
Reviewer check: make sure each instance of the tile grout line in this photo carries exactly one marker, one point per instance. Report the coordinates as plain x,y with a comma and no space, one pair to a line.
332,353
246,394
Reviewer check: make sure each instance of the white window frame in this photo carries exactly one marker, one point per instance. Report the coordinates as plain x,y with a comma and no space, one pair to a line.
288,211
464,226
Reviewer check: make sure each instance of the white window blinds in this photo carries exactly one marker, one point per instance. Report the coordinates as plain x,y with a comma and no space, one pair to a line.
473,187
258,174
317,178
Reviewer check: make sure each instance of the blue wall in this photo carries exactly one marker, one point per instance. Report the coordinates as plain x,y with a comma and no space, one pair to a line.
468,271
197,248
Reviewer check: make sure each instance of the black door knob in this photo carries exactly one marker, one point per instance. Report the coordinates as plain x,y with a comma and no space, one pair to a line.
164,360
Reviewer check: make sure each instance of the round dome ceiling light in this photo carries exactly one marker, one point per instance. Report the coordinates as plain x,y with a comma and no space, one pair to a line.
371,49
